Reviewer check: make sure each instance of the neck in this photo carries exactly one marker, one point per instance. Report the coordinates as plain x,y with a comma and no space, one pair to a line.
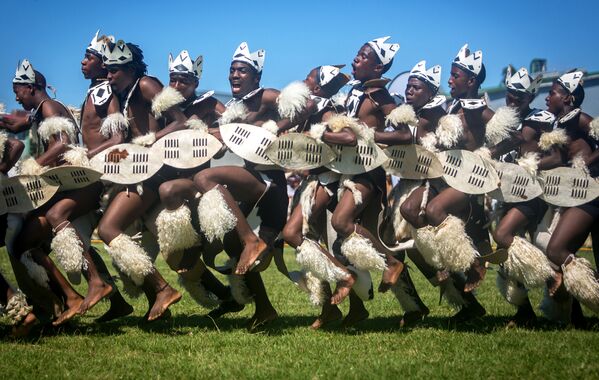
95,81
40,97
565,110
239,96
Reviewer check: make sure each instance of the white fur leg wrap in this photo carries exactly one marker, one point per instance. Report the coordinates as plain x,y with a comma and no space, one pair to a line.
57,125
30,166
175,231
452,294
292,100
360,252
556,311
311,258
315,289
527,264
34,270
198,292
166,99
197,124
504,121
239,289
424,238
130,258
3,140
17,308
306,204
581,281
400,193
348,184
235,112
404,114
449,130
594,128
113,124
69,250
557,138
215,216
77,156
132,289
510,290
456,249
402,291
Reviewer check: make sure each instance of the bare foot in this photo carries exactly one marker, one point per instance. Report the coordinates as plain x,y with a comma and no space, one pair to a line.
390,275
554,283
330,313
474,276
251,253
342,290
355,315
261,318
95,293
118,308
23,328
442,275
164,298
73,306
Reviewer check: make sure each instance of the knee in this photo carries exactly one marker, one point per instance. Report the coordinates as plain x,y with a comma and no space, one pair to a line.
503,236
556,252
106,232
166,191
291,234
435,214
203,181
409,211
342,226
55,217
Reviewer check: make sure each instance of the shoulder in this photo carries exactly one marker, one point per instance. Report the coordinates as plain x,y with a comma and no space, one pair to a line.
149,87
270,95
53,108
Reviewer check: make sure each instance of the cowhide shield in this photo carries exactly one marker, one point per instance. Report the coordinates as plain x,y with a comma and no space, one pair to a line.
516,184
468,172
248,141
25,193
69,177
362,158
412,162
568,187
186,149
126,164
297,151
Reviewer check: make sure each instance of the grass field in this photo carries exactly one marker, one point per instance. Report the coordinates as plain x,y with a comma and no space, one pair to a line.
189,345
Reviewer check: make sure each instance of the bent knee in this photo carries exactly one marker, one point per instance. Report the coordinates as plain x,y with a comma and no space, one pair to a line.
55,217
342,226
409,211
435,214
203,181
503,237
106,232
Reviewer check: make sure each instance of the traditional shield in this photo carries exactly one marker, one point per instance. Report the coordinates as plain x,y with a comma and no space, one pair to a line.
363,157
297,151
126,164
516,183
468,172
568,187
25,193
248,141
186,149
69,177
412,162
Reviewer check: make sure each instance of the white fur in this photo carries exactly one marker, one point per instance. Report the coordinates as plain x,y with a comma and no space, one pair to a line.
424,238
239,289
578,163
175,231
236,112
271,126
37,272
30,167
452,294
77,156
293,99
510,290
307,198
132,289
166,99
400,290
113,124
456,249
69,250
429,142
581,281
594,128
317,130
17,307
360,252
484,152
527,264
145,140
215,216
3,140
198,292
449,131
197,124
312,259
347,184
404,114
56,125
557,137
556,310
337,122
130,258
316,290
504,121
400,193
530,162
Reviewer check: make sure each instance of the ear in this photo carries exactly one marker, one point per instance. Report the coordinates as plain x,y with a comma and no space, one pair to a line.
569,99
471,81
379,68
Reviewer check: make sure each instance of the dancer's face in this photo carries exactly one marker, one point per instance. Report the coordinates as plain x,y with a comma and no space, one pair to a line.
518,100
366,65
24,95
243,79
459,82
557,99
91,66
418,93
185,84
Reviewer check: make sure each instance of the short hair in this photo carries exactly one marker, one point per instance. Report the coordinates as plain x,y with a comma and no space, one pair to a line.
40,80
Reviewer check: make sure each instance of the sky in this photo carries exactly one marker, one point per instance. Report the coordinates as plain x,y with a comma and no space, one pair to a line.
297,36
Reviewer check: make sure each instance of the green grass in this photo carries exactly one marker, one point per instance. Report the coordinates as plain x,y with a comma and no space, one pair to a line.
190,345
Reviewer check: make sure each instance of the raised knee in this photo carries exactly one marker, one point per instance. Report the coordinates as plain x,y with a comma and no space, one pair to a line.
106,232
342,226
202,181
435,214
55,217
166,190
502,237
409,211
291,234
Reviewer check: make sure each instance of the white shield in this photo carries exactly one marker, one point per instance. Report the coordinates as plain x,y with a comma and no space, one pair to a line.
248,141
468,172
362,158
297,151
25,193
568,187
126,164
412,162
516,184
69,177
186,149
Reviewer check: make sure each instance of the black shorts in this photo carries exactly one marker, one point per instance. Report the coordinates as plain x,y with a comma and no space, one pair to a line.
591,208
534,210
